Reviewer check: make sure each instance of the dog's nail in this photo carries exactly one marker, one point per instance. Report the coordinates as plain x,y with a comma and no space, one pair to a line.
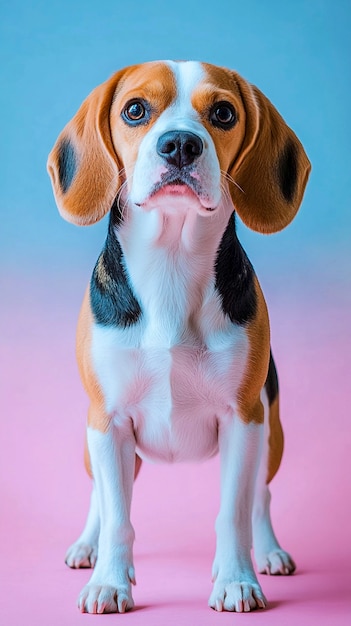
122,605
131,576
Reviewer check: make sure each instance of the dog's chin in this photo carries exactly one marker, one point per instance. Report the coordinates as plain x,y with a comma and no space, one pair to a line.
175,199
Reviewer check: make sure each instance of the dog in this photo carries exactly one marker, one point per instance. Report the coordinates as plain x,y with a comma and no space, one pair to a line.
173,338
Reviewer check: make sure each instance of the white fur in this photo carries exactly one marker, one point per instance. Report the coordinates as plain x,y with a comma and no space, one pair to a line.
269,556
164,368
235,583
179,116
170,382
83,553
112,457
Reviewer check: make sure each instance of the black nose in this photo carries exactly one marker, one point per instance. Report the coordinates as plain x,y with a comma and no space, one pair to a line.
179,148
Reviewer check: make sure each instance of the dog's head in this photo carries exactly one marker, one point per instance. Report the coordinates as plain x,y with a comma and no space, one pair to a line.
182,129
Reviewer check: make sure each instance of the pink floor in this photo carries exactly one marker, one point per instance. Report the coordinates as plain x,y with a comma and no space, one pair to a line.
44,490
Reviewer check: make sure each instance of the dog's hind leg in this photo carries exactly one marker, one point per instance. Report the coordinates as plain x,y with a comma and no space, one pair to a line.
83,552
269,556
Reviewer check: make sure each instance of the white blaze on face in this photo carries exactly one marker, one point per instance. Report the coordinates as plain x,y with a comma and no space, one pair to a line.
179,116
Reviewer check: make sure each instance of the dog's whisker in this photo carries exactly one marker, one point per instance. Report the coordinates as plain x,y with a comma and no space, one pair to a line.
231,180
225,191
122,204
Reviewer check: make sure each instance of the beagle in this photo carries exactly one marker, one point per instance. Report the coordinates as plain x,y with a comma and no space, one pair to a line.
173,338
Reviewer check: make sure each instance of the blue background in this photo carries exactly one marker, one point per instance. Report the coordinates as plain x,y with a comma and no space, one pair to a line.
54,53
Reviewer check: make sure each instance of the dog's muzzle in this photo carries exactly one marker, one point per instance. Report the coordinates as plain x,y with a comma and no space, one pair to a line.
179,148
178,163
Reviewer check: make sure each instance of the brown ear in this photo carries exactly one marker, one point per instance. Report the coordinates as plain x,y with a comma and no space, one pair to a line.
271,169
83,164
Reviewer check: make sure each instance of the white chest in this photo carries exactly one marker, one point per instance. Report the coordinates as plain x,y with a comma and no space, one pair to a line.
176,371
175,395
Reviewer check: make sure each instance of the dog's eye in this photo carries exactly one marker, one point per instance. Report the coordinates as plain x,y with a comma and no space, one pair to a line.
223,115
136,112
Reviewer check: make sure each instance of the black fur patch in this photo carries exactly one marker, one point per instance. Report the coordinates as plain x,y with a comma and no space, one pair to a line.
271,384
67,164
235,278
287,171
111,296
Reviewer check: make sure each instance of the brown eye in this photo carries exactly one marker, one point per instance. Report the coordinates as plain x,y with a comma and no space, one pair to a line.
136,112
223,115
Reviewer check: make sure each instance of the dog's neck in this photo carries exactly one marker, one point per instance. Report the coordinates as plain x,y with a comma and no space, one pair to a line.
172,269
170,257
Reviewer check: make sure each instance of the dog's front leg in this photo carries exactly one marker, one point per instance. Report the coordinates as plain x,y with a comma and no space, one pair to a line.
235,584
112,455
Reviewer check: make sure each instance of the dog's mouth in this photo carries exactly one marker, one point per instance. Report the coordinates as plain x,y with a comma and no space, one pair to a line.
176,185
173,183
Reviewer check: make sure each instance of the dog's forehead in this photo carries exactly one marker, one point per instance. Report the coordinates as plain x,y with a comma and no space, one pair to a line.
150,79
176,81
188,76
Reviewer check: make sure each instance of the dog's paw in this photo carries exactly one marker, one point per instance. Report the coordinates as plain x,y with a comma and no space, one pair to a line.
105,599
237,596
277,562
81,555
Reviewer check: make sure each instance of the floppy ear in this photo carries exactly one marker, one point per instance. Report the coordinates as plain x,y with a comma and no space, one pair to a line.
271,168
82,164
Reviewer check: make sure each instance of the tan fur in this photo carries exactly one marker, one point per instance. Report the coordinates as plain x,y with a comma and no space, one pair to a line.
87,462
276,440
249,402
261,141
97,416
103,276
261,204
96,180
153,82
96,130
220,85
106,148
